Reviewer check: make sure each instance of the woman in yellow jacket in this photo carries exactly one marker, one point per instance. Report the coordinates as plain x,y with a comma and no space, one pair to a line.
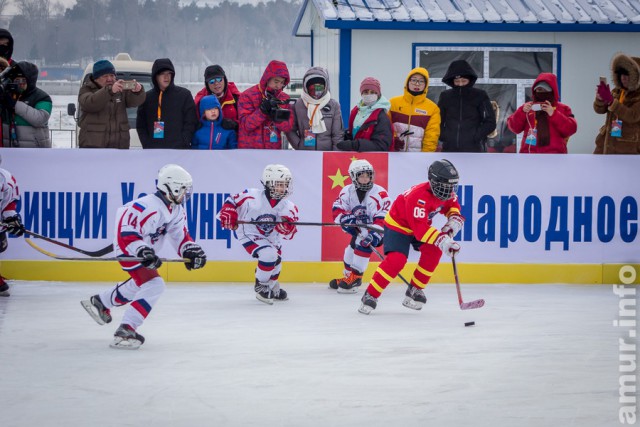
414,117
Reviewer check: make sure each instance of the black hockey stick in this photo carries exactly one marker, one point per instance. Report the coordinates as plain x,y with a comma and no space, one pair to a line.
382,259
464,305
31,243
318,224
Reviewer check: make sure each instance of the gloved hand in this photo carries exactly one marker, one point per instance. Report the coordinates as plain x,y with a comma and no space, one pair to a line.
229,217
287,226
447,245
347,135
349,219
266,106
373,238
195,254
398,144
14,225
149,258
605,93
346,145
229,124
453,225
9,100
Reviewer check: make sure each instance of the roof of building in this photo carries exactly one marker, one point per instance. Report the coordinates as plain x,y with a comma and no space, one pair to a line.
364,13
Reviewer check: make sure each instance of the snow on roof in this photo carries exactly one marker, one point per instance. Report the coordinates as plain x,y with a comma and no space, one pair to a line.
483,11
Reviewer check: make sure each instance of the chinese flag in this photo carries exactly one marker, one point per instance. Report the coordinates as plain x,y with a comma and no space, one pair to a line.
335,176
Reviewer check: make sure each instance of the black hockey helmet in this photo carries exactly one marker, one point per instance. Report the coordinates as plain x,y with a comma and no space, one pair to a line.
443,178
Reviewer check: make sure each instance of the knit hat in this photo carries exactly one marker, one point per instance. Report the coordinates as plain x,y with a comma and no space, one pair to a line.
371,84
102,68
544,86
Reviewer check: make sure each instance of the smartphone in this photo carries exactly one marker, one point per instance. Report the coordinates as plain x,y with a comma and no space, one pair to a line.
128,85
603,79
536,107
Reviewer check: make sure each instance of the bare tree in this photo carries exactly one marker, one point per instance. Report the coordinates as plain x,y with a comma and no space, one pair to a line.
34,9
3,5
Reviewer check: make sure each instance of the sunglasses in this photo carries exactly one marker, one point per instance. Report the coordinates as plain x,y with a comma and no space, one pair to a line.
216,80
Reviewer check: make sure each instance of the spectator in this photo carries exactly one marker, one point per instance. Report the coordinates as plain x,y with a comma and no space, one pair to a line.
369,125
264,110
212,135
545,122
467,117
6,45
167,118
216,83
621,131
318,122
415,118
25,109
103,103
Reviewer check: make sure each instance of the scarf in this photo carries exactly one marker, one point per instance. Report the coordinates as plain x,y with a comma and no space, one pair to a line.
365,111
316,121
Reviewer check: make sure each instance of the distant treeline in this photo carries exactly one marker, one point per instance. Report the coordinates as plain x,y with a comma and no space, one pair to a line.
150,29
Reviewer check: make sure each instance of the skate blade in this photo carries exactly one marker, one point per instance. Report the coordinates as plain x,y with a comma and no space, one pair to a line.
414,305
365,309
86,304
347,291
123,344
5,294
281,300
264,300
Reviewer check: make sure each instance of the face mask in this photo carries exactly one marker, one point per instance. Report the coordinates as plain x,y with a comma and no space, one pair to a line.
543,96
369,100
4,51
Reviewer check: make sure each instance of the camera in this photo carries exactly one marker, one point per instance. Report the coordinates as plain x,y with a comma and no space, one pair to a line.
6,79
277,113
128,85
536,106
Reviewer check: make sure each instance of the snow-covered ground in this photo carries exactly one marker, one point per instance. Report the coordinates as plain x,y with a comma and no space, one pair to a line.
539,355
62,124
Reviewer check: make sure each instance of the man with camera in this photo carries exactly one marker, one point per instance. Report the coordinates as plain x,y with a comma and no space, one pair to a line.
264,110
25,108
103,103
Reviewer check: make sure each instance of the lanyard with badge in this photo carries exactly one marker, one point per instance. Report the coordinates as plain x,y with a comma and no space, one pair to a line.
158,125
616,124
532,134
309,136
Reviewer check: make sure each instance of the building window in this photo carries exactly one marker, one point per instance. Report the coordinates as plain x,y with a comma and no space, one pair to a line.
505,72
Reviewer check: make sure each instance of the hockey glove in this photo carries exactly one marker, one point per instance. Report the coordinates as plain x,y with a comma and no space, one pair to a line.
349,219
373,238
447,245
453,226
14,225
229,124
149,258
229,217
287,226
195,254
605,93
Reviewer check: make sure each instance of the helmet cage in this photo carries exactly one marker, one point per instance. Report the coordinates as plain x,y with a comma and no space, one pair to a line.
175,183
356,169
443,178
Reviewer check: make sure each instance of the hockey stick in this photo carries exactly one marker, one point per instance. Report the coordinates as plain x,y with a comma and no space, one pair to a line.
382,259
126,258
98,253
319,224
464,305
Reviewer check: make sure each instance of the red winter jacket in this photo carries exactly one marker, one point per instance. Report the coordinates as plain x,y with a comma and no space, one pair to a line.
256,127
228,102
561,124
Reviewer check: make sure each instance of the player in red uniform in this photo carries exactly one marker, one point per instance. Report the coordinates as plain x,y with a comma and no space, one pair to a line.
408,223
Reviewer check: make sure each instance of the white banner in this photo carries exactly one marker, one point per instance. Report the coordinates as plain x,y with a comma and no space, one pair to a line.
519,208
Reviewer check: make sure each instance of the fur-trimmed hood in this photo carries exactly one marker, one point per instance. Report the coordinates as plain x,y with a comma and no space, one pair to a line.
629,63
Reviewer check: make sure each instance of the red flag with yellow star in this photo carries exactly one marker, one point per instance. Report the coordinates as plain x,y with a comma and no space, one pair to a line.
335,176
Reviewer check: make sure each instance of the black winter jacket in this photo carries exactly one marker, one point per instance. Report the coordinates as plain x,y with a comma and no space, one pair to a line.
466,112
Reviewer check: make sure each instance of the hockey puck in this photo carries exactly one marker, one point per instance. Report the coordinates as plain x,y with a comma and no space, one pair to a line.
469,323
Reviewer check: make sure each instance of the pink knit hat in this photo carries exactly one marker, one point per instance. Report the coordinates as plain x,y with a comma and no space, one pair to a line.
371,84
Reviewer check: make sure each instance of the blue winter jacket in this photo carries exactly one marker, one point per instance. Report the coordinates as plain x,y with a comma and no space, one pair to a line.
211,135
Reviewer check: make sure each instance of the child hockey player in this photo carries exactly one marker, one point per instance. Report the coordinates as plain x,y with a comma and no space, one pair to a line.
361,202
142,225
408,223
263,242
12,223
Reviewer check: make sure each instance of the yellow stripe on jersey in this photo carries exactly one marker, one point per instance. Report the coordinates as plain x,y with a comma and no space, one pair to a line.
425,272
431,235
453,211
392,222
376,286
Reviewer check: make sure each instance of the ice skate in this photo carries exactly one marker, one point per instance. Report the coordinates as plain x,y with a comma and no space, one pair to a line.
369,303
126,338
97,310
333,284
278,293
4,288
414,298
350,284
263,292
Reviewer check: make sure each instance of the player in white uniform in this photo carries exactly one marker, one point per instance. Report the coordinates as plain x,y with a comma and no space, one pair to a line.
142,225
361,202
9,196
264,242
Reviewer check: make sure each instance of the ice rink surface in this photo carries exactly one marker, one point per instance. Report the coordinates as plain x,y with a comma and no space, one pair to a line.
539,355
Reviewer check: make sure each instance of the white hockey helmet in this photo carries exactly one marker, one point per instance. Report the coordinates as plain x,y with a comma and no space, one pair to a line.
175,183
277,181
357,168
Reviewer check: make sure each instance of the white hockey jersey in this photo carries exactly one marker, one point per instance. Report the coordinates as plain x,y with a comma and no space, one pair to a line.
372,209
9,193
148,221
253,205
